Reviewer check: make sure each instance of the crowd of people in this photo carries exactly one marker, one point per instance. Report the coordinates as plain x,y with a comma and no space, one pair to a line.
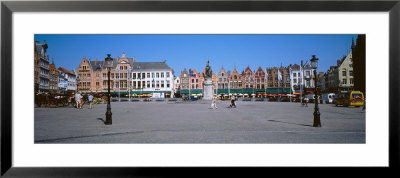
55,100
79,99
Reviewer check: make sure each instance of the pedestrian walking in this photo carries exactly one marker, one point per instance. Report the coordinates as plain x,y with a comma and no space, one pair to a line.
90,98
214,103
306,101
78,100
233,101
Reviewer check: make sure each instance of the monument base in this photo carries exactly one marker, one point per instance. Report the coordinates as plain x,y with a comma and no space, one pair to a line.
208,90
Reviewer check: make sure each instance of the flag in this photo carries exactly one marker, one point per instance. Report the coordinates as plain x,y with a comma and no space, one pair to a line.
279,76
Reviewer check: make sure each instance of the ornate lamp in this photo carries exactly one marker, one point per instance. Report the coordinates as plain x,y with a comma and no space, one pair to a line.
314,65
108,64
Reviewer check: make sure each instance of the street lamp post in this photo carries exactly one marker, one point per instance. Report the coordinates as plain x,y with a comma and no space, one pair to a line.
317,121
109,64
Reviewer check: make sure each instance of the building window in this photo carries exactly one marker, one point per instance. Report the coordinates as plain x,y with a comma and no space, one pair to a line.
344,73
168,84
344,81
167,74
351,81
157,75
351,73
294,75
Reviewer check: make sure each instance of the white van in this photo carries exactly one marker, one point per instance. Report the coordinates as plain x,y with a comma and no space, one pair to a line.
328,97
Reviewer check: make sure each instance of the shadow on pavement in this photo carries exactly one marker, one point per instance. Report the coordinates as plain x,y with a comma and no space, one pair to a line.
290,123
101,119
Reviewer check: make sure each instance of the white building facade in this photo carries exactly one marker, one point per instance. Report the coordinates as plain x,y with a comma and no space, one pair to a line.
177,84
67,80
152,77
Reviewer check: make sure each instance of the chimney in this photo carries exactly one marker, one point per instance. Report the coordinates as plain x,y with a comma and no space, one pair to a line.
301,63
95,61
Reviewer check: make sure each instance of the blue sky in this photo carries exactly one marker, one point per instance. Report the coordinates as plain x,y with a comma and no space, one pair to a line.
193,51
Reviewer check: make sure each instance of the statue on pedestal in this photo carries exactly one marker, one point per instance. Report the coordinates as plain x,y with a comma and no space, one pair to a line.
208,87
208,73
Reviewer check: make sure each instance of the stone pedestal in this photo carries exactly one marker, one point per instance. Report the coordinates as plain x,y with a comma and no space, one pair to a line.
208,90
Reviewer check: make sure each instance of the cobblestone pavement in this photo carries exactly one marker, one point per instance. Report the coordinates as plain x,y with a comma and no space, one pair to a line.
196,122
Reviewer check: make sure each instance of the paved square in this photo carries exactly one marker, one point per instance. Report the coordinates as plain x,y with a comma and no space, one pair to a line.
196,122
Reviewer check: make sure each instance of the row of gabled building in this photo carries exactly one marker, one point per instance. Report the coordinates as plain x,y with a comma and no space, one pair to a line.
129,76
47,78
271,81
347,74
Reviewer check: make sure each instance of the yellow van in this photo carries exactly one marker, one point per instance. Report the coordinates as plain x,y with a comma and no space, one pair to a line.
354,98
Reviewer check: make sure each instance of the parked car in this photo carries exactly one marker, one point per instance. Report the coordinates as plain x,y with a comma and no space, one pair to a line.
354,98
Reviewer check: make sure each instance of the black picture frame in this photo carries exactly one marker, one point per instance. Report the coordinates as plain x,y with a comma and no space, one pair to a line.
8,7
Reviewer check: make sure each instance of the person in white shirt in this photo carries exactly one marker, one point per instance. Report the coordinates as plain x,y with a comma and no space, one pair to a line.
78,100
214,103
90,98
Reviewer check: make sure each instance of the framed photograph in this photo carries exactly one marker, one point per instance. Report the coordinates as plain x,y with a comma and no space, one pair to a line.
103,88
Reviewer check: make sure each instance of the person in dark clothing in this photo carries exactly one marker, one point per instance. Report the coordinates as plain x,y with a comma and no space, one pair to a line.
233,101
